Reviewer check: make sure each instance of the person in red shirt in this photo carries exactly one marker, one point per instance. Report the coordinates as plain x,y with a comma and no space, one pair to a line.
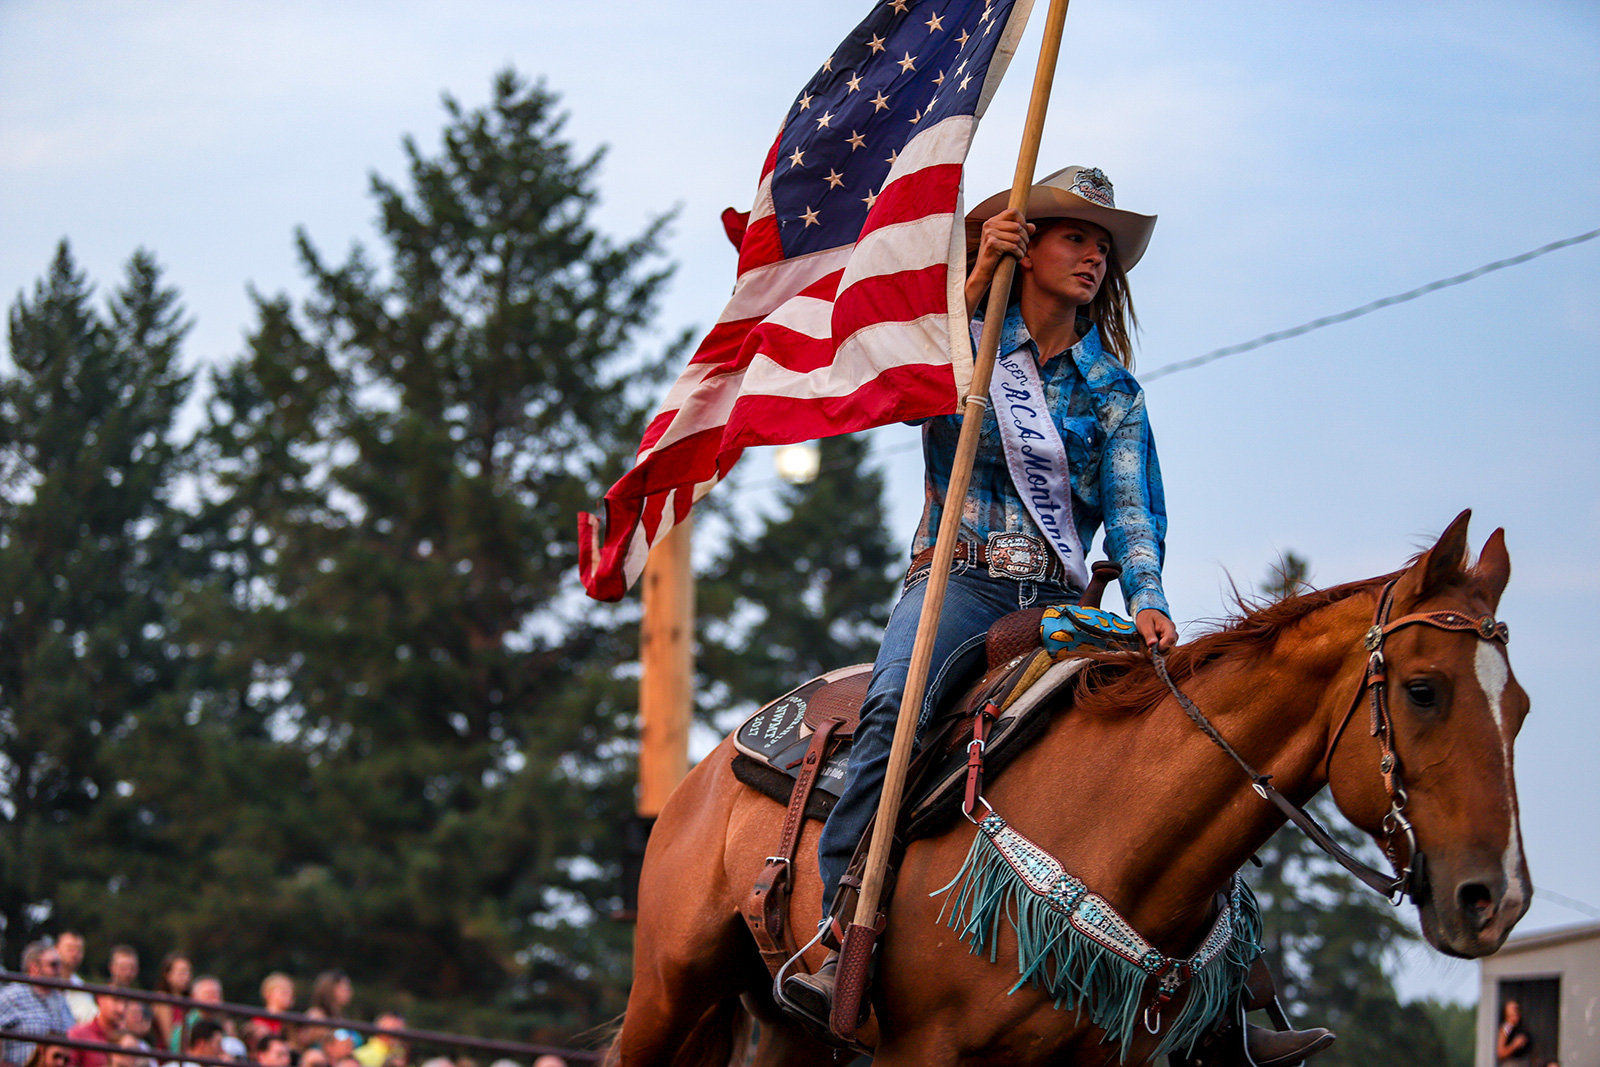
105,1028
277,995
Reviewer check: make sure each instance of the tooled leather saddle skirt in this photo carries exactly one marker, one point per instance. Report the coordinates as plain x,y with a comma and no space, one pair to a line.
1020,675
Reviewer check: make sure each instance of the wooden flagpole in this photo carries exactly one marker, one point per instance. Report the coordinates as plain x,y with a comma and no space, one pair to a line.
666,682
666,696
977,403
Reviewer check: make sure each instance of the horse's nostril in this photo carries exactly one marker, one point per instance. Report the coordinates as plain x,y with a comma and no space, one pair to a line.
1476,902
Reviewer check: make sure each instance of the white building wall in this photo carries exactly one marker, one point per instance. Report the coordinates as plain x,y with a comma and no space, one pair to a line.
1574,955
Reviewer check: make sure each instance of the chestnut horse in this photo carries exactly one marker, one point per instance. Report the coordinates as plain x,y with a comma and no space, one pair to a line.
1137,802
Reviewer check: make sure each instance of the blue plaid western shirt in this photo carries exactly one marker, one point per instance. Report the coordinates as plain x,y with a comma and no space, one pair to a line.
22,1008
1099,410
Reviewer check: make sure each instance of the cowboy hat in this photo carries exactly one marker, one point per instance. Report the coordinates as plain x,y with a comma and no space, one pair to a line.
1073,193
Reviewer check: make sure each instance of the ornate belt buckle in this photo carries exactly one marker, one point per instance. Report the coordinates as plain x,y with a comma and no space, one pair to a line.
1018,556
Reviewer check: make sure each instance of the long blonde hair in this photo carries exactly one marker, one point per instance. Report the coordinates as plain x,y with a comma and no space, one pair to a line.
1112,311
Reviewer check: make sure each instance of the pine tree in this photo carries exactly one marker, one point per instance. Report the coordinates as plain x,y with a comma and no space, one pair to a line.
808,591
395,467
88,557
1331,941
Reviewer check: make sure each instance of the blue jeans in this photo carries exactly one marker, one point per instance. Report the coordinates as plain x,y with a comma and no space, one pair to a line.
972,603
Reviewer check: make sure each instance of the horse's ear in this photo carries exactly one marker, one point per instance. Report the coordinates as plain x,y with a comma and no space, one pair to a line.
1493,569
1443,565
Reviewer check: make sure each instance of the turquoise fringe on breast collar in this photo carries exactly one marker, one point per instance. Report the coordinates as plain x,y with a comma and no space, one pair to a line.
1073,944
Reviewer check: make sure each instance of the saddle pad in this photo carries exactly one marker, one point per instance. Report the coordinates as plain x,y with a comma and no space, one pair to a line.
771,742
779,785
777,735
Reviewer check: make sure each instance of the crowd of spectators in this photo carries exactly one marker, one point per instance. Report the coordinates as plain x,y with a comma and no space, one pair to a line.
167,1035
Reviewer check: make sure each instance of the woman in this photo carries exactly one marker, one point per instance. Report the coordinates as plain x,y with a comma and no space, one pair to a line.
175,977
1087,457
331,993
1511,1041
1071,319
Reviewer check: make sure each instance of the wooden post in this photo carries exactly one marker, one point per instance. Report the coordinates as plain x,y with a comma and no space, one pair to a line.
977,403
666,654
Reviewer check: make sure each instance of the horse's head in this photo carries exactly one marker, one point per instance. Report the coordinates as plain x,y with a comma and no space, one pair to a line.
1456,710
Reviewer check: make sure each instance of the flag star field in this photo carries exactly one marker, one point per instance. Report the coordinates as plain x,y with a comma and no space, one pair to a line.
898,73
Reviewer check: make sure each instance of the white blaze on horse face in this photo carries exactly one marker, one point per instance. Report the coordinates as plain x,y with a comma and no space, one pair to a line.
1493,674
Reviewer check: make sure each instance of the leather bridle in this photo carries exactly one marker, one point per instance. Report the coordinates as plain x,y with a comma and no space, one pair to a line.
1412,880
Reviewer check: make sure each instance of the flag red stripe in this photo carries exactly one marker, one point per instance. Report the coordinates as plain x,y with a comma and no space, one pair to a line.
723,342
657,427
690,459
929,191
788,349
898,297
771,161
761,244
824,287
895,395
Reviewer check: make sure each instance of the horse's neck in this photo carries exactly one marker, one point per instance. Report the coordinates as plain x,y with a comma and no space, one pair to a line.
1150,813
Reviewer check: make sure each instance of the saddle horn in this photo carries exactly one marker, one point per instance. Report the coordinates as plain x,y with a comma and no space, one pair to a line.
1103,573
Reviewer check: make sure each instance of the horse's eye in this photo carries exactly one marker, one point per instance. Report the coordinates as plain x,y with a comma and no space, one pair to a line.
1422,694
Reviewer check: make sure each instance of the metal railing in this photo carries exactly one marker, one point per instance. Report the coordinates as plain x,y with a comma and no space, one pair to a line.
520,1049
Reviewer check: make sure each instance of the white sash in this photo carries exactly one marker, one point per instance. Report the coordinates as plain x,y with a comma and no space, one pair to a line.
1035,455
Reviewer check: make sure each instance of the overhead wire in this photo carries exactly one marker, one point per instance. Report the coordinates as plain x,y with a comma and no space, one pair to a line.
1281,335
1569,903
1365,309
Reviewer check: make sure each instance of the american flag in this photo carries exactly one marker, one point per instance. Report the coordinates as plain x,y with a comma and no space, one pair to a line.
848,311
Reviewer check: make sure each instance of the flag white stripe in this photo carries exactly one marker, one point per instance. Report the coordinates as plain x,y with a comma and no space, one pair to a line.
956,342
867,354
805,315
687,383
639,548
763,205
638,551
761,289
900,247
920,341
933,147
707,408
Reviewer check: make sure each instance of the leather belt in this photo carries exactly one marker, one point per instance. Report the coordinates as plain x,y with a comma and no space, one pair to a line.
1007,555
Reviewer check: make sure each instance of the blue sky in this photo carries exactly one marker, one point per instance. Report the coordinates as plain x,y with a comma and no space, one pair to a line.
1303,157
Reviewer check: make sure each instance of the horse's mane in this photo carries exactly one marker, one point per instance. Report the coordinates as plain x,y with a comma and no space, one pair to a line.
1120,683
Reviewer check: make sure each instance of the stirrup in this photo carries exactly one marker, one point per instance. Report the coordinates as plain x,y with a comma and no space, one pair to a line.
818,1028
783,972
811,995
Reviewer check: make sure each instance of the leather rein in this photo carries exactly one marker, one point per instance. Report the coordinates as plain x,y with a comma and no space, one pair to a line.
1412,880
